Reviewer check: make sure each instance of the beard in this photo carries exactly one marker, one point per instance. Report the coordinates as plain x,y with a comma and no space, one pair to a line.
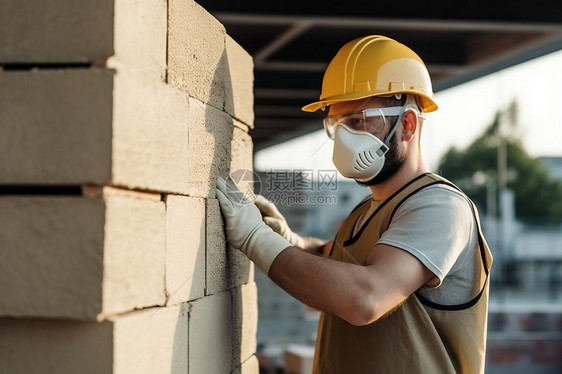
394,160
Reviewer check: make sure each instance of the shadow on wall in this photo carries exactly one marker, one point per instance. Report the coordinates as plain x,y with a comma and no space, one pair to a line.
225,270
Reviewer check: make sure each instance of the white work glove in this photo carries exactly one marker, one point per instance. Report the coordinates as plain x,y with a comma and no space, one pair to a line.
245,229
274,219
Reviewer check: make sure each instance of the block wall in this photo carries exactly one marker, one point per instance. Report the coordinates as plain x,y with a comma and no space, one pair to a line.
116,118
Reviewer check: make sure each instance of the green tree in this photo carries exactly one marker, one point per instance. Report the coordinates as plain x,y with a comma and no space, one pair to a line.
475,170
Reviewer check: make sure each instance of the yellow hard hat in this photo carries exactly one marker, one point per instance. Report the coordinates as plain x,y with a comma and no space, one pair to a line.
375,66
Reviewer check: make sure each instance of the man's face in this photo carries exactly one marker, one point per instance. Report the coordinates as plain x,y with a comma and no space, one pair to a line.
395,157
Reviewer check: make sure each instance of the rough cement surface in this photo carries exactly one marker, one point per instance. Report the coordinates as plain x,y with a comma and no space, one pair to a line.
151,341
140,36
244,322
239,83
148,341
55,31
134,254
226,267
185,248
196,53
210,134
210,342
150,134
55,126
44,271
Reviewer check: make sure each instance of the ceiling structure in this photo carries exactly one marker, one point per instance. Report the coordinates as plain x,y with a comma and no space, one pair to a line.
292,44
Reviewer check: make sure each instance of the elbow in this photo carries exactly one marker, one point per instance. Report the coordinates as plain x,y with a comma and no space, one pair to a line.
362,311
362,317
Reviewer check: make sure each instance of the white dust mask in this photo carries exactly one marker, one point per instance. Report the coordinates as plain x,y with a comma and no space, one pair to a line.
358,154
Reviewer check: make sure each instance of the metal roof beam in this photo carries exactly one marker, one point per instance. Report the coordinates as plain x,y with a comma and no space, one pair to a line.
297,29
396,23
303,66
280,111
293,66
280,93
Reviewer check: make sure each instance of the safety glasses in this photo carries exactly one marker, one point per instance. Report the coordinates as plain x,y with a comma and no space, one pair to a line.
372,120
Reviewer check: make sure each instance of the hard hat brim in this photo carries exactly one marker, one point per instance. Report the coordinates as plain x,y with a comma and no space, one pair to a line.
427,104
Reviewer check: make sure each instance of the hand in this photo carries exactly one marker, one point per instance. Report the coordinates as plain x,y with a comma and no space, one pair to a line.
245,229
274,219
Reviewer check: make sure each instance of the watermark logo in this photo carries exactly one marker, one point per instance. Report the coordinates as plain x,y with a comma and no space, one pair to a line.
304,180
288,199
245,187
286,187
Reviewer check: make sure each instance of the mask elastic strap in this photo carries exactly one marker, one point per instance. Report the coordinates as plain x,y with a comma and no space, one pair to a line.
393,130
410,104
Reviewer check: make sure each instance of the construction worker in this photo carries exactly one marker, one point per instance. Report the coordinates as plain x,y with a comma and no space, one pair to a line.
403,286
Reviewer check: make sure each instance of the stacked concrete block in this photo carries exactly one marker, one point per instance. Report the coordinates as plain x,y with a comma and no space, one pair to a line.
116,118
185,248
79,257
107,133
220,258
148,341
37,32
244,314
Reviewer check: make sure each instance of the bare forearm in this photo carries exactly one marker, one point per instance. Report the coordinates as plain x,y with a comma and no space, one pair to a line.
332,286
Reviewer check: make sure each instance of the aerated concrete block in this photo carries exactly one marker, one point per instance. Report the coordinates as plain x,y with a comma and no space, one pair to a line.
217,275
196,53
185,248
44,271
149,341
134,254
219,74
140,36
241,153
210,136
56,126
93,126
239,82
55,31
134,32
210,335
35,346
244,322
226,267
216,148
81,258
150,135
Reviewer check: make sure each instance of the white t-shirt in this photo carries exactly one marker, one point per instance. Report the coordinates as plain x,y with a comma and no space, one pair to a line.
436,225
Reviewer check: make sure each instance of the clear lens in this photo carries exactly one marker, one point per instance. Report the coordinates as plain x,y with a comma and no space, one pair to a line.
372,120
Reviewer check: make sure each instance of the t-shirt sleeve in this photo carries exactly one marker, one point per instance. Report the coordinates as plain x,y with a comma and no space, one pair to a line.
434,225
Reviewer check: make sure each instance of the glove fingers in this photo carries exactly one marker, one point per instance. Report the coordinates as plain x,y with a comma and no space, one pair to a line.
263,205
221,185
231,192
225,204
235,195
275,225
266,207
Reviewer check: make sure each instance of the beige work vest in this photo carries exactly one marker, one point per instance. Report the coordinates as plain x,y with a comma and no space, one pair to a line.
419,336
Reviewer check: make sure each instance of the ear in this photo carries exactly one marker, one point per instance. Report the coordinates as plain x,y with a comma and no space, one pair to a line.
409,125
